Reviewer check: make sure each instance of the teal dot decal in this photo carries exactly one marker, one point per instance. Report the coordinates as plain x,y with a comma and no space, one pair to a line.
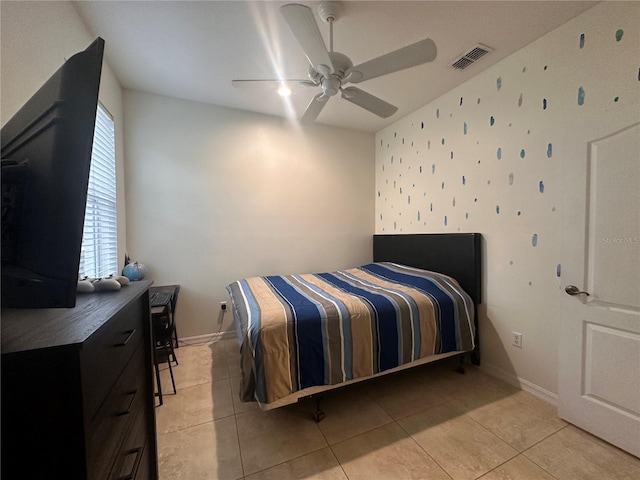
581,96
442,140
522,153
498,154
466,215
464,180
431,207
619,34
442,185
499,83
418,215
520,100
492,121
498,209
464,128
519,213
581,40
534,240
433,168
445,220
616,99
511,179
541,186
391,158
478,101
544,103
394,225
437,113
558,270
409,199
549,151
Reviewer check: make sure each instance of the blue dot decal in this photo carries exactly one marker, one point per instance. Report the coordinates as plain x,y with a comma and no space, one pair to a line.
499,153
394,225
464,180
445,220
442,140
511,179
466,215
549,151
492,121
420,168
498,209
418,215
460,101
442,185
619,34
464,128
581,96
437,113
421,124
451,154
581,40
520,100
541,186
499,83
558,270
534,240
433,168
431,207
544,103
409,199
522,153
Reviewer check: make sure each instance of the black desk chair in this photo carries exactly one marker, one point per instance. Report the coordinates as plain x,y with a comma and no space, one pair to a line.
164,300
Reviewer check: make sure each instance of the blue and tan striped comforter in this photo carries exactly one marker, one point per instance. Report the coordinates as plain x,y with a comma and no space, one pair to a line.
300,331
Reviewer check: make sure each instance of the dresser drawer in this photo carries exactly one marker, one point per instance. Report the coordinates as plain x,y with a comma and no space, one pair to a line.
132,461
107,351
124,406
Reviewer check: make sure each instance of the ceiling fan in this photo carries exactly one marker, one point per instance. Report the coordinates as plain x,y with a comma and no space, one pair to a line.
331,70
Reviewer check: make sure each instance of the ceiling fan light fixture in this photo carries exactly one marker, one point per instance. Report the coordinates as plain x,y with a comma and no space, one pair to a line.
284,91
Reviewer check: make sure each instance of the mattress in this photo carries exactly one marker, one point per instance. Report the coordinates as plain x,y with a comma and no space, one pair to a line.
302,331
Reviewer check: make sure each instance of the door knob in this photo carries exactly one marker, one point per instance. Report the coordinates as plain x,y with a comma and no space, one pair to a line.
573,290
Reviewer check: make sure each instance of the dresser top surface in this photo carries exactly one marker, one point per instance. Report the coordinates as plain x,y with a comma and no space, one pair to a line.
29,329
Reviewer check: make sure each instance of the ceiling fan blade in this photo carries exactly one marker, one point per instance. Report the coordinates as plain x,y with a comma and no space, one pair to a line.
314,108
272,84
304,27
412,55
369,102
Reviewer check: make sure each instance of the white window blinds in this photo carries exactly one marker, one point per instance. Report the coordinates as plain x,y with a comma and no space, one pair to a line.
100,236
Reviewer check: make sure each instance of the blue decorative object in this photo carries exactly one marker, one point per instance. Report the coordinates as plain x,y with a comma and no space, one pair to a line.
134,271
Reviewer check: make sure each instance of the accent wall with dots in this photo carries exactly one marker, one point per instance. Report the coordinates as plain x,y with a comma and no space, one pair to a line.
488,157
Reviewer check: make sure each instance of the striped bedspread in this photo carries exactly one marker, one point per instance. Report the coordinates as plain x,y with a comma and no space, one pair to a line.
299,331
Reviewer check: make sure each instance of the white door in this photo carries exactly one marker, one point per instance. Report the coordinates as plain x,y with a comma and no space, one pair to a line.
599,347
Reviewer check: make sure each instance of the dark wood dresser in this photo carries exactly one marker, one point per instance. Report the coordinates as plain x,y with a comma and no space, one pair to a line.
77,389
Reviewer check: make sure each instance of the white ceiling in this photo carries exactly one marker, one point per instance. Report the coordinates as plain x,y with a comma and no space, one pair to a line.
194,49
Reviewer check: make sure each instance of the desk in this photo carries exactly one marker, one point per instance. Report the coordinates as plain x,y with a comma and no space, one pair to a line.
165,336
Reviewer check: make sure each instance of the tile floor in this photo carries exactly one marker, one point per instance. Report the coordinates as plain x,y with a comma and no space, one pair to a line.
427,423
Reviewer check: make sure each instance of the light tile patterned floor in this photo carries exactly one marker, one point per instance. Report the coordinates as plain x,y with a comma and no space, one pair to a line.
426,423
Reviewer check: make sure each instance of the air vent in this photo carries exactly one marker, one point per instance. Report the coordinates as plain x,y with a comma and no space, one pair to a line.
471,56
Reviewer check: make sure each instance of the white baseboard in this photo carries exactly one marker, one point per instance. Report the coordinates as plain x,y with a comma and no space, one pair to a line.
511,379
209,337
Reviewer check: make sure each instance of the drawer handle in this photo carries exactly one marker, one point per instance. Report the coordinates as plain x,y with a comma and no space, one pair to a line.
128,409
126,340
136,463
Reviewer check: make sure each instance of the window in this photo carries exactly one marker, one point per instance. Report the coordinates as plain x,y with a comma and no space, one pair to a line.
100,236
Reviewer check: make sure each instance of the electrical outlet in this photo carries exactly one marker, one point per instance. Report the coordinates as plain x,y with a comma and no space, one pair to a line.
517,339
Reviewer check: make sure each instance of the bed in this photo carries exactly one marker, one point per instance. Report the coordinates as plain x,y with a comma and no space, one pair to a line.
303,334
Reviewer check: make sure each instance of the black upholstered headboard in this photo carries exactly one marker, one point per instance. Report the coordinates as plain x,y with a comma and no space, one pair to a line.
455,254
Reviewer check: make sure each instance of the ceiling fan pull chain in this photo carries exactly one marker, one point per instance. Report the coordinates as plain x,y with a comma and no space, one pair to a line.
330,34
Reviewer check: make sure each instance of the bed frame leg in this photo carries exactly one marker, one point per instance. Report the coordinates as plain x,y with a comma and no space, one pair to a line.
460,367
318,414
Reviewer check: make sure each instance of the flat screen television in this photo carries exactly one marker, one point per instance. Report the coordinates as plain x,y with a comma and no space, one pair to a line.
46,155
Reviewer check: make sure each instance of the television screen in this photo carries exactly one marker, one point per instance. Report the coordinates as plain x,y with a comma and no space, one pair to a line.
46,156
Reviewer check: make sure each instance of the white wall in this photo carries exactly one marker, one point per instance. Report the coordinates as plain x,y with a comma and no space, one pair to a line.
215,195
439,170
35,39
